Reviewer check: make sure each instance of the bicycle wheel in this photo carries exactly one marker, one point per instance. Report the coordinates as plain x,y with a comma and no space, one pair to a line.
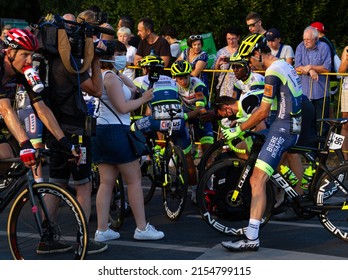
214,153
175,184
333,199
214,194
69,227
117,206
148,182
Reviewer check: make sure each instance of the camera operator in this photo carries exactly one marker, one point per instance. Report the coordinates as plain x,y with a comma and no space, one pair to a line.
66,101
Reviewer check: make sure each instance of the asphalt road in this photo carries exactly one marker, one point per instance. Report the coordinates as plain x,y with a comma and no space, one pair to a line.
190,238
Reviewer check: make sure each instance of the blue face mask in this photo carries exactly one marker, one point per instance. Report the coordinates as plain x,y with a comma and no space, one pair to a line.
120,62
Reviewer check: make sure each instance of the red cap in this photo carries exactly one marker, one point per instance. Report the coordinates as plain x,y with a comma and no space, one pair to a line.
319,26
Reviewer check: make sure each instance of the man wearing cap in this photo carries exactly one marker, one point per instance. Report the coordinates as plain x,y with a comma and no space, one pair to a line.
278,49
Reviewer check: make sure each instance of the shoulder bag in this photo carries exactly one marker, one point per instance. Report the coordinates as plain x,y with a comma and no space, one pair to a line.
136,138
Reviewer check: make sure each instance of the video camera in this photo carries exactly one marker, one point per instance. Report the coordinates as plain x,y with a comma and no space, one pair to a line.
77,32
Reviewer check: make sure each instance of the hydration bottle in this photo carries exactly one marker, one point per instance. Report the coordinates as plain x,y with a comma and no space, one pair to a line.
33,79
307,177
157,152
288,175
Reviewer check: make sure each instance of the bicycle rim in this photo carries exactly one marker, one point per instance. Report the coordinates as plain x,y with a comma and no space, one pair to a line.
69,226
210,155
117,206
214,194
333,198
175,188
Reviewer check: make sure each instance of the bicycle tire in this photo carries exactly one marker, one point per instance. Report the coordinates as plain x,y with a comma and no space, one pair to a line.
148,182
332,199
117,206
214,198
70,226
212,154
175,192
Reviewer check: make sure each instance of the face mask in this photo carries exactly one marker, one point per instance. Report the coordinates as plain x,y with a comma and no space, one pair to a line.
120,62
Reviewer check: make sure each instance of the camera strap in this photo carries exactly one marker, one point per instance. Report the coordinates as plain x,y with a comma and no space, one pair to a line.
64,50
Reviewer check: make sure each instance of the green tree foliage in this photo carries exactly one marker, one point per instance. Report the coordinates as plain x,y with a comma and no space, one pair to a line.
201,16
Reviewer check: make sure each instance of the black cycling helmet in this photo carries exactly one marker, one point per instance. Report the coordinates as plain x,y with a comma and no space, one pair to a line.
152,61
21,39
181,68
251,43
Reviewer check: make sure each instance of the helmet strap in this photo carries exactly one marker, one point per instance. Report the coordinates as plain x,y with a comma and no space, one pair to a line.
11,59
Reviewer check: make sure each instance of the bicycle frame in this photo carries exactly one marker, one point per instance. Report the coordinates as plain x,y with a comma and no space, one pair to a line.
313,187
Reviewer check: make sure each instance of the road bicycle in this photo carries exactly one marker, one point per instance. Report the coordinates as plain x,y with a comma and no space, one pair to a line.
221,149
166,168
224,199
29,221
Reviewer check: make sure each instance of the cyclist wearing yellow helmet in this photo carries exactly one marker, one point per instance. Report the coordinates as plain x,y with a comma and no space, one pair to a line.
247,80
194,96
165,96
281,81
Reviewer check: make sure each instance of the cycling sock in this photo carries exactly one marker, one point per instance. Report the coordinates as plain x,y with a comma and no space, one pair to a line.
252,231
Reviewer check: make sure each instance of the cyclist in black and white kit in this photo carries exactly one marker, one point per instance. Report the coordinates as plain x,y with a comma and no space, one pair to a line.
283,83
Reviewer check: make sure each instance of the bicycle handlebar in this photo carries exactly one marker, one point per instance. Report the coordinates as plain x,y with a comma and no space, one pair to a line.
247,134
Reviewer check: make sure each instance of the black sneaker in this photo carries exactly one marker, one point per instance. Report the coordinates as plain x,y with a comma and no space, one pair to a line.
242,244
51,247
95,247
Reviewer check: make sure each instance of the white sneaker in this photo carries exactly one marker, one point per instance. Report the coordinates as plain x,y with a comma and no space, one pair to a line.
109,234
150,233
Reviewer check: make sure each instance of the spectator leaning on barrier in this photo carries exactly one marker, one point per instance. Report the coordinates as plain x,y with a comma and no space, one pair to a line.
312,59
323,38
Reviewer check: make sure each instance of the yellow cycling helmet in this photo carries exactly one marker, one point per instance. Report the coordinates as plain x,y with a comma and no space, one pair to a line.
181,68
250,43
151,61
237,59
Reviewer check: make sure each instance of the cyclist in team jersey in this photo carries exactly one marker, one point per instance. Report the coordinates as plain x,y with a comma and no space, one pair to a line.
157,119
19,47
283,83
194,97
247,80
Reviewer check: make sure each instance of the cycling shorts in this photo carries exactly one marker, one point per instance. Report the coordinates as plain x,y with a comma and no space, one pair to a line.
278,140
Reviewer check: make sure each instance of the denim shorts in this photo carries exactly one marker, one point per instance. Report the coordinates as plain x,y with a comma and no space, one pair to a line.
111,145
